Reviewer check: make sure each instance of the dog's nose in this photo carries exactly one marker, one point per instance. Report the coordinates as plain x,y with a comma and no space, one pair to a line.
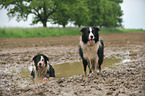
92,37
40,64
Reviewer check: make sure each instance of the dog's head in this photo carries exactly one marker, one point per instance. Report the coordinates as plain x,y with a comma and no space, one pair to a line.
90,35
40,61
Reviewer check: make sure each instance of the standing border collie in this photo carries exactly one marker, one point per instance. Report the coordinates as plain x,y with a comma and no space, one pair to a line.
42,68
91,49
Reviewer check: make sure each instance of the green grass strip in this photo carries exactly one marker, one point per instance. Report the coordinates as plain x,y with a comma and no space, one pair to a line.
53,32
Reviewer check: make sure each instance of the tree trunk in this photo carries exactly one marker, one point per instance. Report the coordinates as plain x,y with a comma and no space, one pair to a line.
63,25
79,25
44,24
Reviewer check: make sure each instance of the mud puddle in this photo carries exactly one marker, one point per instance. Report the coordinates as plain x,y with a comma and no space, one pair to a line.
76,68
64,70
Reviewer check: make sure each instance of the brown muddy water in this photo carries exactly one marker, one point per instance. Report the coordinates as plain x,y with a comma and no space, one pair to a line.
64,70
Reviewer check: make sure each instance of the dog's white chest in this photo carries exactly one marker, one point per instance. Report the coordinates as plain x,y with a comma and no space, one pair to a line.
90,52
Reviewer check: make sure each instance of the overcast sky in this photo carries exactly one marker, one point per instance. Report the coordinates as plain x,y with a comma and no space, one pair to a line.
134,13
134,16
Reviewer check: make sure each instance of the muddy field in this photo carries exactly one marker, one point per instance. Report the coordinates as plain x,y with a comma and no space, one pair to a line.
123,72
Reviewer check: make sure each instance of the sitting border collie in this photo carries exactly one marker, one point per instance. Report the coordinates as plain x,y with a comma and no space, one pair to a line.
42,68
91,49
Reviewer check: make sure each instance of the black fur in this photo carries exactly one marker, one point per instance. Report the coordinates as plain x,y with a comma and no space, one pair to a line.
100,54
100,51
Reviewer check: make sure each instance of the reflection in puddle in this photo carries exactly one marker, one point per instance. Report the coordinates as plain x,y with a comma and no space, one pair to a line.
22,74
110,63
126,60
68,69
76,68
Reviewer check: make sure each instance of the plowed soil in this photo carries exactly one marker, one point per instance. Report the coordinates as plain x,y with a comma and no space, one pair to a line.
128,79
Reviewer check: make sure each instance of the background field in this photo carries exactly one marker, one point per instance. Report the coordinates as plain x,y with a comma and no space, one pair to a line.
17,53
53,32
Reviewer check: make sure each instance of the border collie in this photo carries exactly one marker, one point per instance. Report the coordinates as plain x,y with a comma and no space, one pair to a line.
42,68
91,49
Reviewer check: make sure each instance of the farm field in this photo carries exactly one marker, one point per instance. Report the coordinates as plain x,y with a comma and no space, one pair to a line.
126,77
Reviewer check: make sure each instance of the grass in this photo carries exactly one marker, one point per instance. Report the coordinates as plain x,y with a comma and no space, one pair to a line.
53,32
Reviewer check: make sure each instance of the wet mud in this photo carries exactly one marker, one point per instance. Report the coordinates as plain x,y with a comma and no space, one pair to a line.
123,70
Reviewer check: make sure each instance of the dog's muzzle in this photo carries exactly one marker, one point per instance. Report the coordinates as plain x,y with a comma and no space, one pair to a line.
40,64
91,40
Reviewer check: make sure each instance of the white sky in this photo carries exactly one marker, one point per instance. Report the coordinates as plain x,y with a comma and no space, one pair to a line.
134,16
134,13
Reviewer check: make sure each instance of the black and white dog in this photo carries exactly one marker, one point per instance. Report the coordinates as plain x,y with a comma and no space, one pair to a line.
91,49
42,68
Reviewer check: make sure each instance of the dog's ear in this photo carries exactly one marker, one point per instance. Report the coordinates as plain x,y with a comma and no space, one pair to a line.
46,58
83,29
97,29
34,58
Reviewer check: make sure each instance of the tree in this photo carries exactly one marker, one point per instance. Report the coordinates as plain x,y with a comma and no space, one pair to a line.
79,13
112,14
96,11
105,13
117,1
62,17
41,9
66,14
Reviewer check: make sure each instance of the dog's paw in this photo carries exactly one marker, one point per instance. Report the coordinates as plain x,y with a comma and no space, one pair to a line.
91,75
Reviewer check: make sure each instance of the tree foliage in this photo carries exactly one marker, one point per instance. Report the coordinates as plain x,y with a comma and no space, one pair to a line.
79,13
117,1
62,16
41,9
103,13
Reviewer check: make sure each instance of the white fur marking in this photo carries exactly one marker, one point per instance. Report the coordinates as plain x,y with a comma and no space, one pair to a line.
41,61
91,34
90,29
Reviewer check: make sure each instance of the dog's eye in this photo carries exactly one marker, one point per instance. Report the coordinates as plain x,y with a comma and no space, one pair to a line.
42,59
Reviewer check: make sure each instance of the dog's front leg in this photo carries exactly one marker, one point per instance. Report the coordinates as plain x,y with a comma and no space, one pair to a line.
85,63
91,66
96,66
47,75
